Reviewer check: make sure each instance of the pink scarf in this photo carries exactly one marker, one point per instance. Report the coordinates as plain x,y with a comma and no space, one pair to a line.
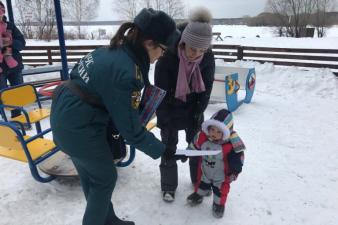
188,72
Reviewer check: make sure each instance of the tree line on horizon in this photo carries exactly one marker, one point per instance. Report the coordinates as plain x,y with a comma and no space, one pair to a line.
293,17
36,18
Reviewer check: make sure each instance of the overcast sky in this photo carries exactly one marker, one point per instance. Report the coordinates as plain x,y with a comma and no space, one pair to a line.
219,8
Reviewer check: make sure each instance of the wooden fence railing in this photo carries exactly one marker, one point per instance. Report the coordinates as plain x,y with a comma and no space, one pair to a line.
49,55
308,58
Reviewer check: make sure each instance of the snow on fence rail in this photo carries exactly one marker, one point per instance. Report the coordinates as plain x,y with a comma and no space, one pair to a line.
307,58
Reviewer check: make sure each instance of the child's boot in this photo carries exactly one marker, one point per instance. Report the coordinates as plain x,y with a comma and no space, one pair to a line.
207,194
217,210
195,199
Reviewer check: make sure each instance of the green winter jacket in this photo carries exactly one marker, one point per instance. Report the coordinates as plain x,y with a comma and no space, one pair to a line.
117,77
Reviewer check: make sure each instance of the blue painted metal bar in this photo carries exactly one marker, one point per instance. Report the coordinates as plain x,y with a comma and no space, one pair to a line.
61,35
132,153
10,10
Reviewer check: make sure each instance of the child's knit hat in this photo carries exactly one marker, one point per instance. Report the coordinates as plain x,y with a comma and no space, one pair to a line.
223,120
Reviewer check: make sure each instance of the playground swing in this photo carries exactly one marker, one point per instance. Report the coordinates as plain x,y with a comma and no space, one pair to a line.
15,144
42,154
36,150
19,97
61,165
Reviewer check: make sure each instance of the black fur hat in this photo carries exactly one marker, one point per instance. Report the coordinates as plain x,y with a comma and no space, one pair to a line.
158,26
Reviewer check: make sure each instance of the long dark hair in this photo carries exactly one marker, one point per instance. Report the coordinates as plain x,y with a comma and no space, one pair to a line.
128,32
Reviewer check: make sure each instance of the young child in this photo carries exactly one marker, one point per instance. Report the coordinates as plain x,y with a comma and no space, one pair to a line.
217,171
6,41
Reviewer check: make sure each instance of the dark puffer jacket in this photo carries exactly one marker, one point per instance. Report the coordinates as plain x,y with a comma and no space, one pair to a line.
173,112
19,43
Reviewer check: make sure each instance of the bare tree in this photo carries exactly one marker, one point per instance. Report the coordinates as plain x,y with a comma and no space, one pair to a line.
49,20
159,4
280,10
79,11
129,8
294,15
321,20
126,8
147,3
174,8
24,19
40,12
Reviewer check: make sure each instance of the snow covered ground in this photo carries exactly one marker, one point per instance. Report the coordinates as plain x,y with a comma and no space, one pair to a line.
290,176
240,35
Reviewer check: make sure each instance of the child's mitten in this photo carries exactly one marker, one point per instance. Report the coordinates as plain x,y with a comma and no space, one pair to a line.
235,161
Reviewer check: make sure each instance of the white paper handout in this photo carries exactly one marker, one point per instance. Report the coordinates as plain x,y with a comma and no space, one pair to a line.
191,152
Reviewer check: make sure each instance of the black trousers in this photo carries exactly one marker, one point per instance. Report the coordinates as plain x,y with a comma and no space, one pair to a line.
168,167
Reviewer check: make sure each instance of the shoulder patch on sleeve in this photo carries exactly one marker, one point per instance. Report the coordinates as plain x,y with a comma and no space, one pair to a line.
135,99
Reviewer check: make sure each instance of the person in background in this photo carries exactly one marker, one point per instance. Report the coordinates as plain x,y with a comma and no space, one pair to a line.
217,171
12,42
187,74
106,86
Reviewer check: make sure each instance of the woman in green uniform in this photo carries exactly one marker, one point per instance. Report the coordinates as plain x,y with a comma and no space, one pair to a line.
105,85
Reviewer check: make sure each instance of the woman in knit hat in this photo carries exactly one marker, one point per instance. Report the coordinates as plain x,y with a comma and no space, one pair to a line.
186,72
105,86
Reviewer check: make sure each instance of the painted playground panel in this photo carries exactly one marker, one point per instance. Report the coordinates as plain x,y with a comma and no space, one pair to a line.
228,83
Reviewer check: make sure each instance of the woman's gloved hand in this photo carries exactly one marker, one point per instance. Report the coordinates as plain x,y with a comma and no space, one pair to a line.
169,154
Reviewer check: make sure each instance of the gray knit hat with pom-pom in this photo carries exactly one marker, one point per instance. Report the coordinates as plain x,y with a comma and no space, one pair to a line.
198,32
